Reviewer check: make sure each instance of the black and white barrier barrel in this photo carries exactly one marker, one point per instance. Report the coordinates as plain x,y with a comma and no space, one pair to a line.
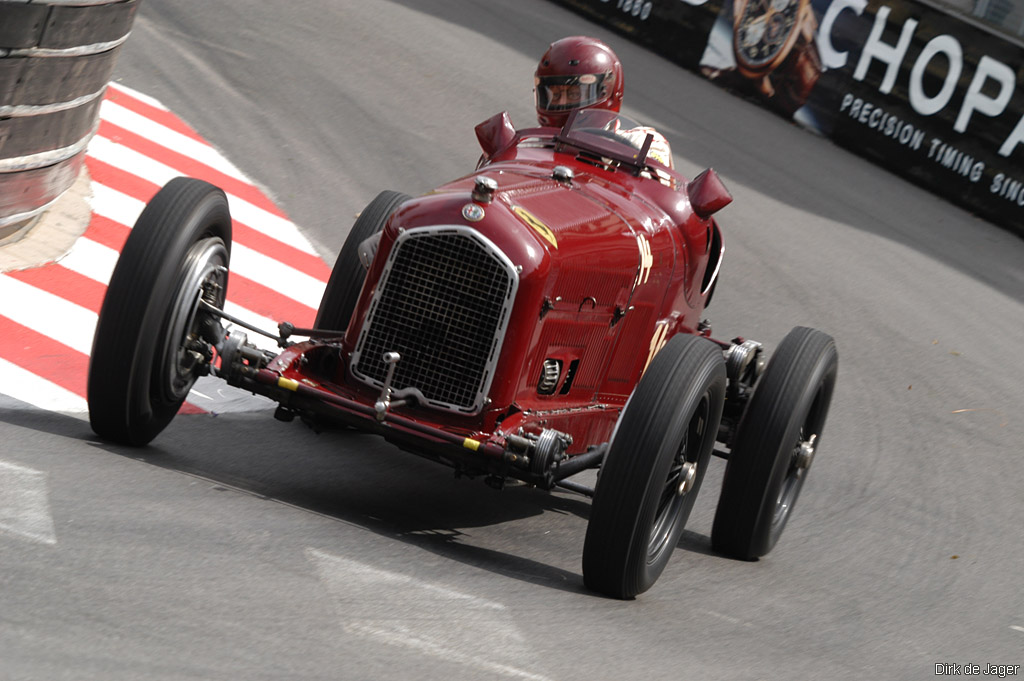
56,57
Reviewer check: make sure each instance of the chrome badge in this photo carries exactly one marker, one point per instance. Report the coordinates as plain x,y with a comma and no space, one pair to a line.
473,212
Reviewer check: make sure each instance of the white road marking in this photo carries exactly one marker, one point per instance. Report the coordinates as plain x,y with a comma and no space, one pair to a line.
245,261
267,223
91,259
38,392
96,261
427,618
138,164
115,205
728,618
170,139
73,325
217,397
151,170
45,313
1016,628
24,505
284,279
155,103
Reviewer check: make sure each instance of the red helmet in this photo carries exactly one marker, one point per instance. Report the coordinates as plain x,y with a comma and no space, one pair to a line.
576,73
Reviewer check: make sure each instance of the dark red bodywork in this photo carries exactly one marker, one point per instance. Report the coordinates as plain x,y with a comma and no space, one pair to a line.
611,263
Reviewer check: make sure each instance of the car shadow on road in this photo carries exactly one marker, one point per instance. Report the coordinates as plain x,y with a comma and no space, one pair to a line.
48,422
362,480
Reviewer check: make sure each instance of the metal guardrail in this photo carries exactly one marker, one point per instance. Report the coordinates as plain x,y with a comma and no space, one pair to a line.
56,58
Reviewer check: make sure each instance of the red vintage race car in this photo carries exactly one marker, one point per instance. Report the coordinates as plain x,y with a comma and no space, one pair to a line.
536,318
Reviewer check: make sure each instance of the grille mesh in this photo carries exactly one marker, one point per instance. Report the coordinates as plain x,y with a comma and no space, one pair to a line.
441,307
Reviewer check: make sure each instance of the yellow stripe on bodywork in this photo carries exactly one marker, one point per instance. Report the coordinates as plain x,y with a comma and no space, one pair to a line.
538,226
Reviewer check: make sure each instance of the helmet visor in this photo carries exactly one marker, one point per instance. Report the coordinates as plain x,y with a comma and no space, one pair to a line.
562,93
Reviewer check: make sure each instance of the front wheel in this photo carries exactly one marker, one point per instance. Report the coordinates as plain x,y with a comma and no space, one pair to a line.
654,467
775,443
153,339
349,273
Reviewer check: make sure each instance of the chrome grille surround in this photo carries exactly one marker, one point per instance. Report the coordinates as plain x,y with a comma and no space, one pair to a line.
443,303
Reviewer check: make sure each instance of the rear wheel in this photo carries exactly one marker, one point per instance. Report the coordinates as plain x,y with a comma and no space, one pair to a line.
152,339
774,445
655,463
348,275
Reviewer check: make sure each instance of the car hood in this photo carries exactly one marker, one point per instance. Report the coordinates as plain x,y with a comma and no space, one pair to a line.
577,220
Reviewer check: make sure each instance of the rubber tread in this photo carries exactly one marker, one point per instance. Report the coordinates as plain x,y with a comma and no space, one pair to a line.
636,467
761,452
133,316
347,276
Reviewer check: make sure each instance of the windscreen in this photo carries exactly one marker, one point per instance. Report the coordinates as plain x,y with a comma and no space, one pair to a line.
606,133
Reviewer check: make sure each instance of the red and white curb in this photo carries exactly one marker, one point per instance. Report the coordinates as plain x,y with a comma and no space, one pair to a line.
48,314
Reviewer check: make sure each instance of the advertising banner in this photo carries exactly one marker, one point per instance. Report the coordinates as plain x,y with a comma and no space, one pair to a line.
929,95
676,29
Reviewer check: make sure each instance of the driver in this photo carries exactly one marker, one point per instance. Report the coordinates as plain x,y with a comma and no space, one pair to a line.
583,73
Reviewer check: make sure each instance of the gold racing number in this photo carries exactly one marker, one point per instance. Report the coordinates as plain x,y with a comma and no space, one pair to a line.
658,341
646,260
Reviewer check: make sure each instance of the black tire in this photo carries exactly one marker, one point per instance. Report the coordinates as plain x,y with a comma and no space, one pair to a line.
774,445
348,275
139,370
671,419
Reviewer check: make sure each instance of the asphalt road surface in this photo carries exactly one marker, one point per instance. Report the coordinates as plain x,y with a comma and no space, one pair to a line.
238,547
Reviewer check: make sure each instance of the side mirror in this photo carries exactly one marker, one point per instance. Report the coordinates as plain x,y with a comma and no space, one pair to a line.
495,134
707,194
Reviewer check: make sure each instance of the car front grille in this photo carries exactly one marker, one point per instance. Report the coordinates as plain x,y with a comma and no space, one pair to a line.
443,304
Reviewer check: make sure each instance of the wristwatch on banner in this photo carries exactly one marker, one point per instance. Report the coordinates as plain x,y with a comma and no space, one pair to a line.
773,42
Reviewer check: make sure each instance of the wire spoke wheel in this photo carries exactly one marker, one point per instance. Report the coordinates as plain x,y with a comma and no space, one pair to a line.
204,279
681,478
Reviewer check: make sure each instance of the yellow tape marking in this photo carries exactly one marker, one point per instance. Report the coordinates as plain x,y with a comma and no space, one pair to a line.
287,384
471,444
